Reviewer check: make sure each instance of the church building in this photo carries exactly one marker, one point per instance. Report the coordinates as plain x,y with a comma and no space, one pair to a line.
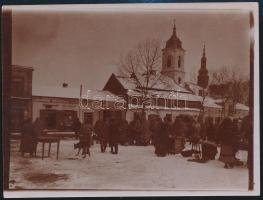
171,94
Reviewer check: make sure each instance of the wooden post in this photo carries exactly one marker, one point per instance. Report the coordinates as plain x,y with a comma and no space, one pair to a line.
58,148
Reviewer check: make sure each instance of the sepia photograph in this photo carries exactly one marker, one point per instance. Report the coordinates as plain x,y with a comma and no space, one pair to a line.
131,99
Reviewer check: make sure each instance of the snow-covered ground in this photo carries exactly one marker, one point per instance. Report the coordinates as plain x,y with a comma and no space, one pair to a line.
135,167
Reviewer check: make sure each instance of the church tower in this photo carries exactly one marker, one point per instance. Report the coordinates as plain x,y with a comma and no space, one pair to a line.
202,79
173,58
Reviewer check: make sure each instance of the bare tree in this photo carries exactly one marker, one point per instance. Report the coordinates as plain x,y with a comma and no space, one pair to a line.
228,84
142,65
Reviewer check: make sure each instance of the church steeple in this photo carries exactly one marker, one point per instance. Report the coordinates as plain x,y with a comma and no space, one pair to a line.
173,58
174,29
203,72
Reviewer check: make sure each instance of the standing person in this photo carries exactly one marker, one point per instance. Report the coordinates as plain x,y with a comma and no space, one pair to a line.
195,128
157,134
137,130
131,134
113,136
209,147
85,138
227,139
76,127
145,131
178,129
101,129
28,136
170,135
164,129
124,131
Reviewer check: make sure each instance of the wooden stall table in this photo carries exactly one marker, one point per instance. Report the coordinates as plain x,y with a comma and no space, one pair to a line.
49,140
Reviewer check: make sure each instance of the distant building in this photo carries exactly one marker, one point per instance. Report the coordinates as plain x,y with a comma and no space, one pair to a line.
60,106
203,78
21,95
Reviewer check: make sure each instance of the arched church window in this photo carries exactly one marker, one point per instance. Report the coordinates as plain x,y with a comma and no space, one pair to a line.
179,62
179,80
169,61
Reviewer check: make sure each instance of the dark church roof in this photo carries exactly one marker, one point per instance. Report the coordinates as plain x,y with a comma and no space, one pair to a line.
174,41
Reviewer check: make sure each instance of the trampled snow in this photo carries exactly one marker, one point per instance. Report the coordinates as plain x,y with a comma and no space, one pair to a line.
135,167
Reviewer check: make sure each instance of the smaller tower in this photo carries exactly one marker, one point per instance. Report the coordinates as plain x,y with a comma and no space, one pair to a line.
202,79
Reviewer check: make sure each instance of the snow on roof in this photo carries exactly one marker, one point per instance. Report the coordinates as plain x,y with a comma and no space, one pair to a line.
193,85
55,91
161,83
174,95
240,106
102,95
210,103
73,92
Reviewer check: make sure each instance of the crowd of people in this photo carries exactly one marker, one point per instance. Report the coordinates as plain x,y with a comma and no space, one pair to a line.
166,135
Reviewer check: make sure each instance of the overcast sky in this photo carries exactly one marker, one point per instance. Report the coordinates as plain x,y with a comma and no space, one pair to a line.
85,47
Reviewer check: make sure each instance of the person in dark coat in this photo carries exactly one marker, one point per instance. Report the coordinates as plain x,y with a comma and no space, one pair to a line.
137,131
124,131
170,147
162,137
85,138
209,147
145,131
228,141
101,129
28,137
179,131
76,127
157,136
114,135
131,134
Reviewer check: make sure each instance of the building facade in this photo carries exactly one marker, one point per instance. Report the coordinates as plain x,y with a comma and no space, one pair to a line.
21,95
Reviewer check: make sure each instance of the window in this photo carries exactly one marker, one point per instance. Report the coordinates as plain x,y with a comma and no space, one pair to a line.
179,62
179,80
169,61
